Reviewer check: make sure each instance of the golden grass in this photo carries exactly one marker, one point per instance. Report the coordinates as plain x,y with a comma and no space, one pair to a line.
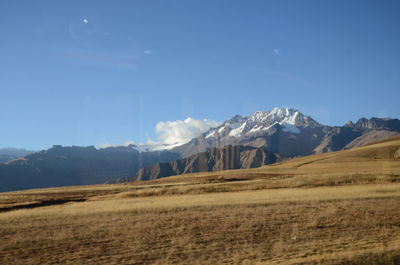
336,208
121,203
304,225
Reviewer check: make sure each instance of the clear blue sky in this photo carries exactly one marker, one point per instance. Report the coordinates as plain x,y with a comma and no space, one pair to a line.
87,72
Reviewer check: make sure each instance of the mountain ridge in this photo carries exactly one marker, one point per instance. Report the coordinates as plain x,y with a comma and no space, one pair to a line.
75,165
215,159
283,132
280,127
10,153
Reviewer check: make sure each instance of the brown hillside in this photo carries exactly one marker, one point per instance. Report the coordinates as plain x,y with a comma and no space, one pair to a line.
378,160
336,208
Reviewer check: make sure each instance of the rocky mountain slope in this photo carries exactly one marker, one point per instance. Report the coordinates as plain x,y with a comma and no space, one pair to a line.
228,157
62,166
279,134
289,133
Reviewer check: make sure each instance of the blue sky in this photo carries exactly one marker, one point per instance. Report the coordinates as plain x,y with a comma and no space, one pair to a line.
91,72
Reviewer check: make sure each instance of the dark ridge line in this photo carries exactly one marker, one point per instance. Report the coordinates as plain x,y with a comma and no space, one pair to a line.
39,204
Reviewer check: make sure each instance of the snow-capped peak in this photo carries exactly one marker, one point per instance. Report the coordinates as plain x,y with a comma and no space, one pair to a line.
290,119
275,115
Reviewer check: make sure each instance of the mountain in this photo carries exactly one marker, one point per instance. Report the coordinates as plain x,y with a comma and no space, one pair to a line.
215,159
74,165
281,133
7,154
290,133
267,137
377,162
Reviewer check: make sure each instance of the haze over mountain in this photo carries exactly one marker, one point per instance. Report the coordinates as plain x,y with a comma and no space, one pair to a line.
240,142
7,154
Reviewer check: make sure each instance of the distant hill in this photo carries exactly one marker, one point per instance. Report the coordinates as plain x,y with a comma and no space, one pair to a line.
63,166
7,154
377,162
375,159
228,157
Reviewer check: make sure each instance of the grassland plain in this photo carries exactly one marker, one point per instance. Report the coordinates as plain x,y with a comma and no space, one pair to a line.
335,208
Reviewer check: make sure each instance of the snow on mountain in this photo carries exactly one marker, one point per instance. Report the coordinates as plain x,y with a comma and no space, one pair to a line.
291,120
211,134
237,131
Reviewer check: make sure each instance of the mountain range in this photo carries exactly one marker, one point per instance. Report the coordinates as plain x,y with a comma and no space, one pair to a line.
7,154
75,165
264,138
214,159
289,133
240,142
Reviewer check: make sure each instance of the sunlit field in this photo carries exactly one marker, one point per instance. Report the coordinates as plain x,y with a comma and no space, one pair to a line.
336,208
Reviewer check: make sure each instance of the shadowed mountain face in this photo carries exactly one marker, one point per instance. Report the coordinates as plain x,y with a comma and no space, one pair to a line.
62,166
228,157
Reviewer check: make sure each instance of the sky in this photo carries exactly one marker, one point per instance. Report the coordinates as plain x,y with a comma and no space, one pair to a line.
111,72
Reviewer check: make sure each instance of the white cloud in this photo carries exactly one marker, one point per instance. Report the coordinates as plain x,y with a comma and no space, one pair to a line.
85,21
147,51
276,51
180,132
171,134
106,145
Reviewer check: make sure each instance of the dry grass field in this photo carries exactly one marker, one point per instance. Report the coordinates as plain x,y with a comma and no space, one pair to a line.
335,208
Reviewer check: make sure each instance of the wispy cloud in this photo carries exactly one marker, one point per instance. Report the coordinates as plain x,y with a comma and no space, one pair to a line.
102,57
285,75
106,145
148,52
276,51
282,74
